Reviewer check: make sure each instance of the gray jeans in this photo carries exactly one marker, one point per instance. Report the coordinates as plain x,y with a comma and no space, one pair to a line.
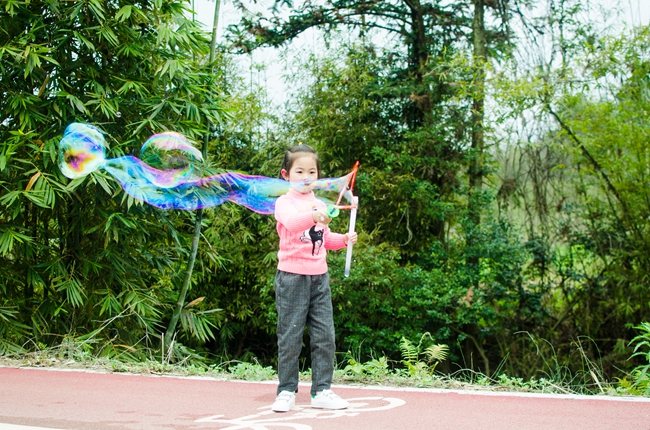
304,300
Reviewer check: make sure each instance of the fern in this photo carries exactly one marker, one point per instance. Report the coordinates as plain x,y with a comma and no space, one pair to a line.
641,374
436,353
412,354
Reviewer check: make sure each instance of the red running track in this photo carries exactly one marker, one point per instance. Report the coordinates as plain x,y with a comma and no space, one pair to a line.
56,399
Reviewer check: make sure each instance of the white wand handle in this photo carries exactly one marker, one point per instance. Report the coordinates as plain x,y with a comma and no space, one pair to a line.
353,220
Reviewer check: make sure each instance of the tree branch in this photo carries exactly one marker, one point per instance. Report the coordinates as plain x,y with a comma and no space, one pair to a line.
591,159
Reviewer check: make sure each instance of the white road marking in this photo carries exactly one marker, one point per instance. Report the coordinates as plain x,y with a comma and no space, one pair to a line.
17,427
267,418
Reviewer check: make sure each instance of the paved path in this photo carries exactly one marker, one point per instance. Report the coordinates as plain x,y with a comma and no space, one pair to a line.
53,399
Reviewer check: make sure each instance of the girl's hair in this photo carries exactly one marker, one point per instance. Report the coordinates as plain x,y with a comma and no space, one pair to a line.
296,152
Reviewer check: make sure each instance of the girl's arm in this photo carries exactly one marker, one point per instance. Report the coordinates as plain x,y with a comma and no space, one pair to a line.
294,221
334,241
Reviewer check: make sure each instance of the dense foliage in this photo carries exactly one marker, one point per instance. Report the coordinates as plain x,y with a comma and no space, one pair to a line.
73,251
550,275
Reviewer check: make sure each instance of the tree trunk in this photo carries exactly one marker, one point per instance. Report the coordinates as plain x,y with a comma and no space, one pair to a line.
478,111
171,328
476,162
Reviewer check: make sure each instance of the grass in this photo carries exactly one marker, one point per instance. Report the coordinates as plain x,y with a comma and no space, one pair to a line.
417,368
375,372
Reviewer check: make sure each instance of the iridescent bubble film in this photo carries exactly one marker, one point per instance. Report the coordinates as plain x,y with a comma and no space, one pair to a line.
165,175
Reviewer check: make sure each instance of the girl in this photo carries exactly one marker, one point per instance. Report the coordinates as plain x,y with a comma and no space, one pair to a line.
302,290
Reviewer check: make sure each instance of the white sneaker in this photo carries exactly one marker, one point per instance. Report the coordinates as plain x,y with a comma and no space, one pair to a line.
284,402
326,399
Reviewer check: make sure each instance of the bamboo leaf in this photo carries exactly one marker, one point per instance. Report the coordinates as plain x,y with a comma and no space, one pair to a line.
32,180
85,41
194,302
124,13
72,288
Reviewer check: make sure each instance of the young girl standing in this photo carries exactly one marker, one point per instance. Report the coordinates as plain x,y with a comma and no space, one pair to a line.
302,290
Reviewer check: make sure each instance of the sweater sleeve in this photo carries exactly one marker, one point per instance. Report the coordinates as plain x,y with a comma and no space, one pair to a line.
293,221
334,241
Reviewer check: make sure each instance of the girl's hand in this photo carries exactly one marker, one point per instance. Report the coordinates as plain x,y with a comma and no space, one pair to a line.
321,217
350,237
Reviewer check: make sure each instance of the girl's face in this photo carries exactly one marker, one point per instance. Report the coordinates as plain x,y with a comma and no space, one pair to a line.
303,171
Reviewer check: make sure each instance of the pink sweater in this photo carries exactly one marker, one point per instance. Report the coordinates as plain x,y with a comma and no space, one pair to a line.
303,242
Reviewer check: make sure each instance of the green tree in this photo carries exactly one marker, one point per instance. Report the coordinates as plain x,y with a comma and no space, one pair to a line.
401,90
411,109
581,183
607,137
80,257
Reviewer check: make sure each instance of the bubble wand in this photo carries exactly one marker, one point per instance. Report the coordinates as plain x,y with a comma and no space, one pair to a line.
353,219
353,214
